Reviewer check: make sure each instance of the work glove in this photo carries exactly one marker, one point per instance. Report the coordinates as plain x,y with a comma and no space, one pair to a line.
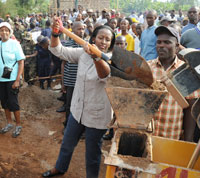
57,26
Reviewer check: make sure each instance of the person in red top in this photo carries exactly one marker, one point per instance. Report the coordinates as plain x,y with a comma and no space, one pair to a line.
170,119
112,13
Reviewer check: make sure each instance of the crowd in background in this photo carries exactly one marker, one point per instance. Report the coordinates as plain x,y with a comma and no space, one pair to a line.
156,37
28,29
33,32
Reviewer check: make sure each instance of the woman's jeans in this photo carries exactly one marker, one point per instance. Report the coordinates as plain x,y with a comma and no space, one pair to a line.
93,141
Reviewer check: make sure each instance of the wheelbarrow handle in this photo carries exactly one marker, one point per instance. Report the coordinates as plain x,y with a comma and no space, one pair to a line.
80,41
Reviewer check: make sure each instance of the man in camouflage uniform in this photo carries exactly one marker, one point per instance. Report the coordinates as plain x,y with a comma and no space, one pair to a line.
18,32
30,67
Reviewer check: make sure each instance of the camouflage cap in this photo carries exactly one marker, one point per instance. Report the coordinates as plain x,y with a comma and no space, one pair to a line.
17,23
28,36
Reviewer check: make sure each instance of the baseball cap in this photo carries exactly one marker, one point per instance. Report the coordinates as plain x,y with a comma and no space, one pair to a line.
90,10
165,18
185,18
104,10
39,38
169,30
134,20
84,12
44,40
161,15
69,21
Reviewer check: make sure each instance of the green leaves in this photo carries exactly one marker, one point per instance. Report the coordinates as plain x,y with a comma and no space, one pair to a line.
23,7
127,6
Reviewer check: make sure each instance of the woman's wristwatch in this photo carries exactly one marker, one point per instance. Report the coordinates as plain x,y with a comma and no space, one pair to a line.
97,59
55,34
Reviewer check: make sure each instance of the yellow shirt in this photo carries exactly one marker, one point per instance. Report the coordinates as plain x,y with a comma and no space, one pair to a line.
130,42
69,29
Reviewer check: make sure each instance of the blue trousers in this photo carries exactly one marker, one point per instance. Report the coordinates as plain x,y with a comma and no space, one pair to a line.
44,69
93,141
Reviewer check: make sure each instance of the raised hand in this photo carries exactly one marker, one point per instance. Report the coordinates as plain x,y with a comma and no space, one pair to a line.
57,25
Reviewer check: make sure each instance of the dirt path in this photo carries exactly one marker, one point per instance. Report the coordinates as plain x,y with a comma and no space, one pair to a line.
37,148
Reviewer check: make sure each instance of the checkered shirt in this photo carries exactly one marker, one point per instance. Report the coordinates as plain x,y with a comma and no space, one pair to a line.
168,120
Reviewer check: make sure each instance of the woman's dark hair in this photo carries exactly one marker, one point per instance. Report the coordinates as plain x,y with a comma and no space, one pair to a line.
96,31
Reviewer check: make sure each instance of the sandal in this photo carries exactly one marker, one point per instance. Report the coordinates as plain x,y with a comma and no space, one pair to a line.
17,131
7,128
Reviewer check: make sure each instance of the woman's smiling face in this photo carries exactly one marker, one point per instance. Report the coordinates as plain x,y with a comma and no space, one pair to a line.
4,33
103,39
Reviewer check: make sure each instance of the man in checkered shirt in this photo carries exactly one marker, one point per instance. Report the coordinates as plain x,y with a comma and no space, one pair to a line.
171,120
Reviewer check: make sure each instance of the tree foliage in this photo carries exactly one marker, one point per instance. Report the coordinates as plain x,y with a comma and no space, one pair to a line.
183,4
23,7
127,6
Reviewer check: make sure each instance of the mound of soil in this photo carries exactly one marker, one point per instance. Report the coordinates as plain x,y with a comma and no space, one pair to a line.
35,101
37,147
118,82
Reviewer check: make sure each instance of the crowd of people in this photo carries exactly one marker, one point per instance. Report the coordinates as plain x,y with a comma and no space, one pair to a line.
38,38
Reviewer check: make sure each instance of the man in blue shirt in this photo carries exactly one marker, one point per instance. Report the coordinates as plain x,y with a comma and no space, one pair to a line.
193,19
47,30
148,38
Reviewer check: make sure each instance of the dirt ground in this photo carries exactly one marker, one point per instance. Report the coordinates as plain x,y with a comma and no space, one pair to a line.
37,148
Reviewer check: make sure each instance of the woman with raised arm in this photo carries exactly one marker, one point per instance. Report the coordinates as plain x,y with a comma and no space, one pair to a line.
90,107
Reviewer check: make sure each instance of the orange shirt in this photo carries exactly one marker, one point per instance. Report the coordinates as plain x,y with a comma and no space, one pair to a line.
168,120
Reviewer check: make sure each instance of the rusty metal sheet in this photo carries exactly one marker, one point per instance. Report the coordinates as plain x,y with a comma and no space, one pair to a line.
133,66
123,62
186,78
133,107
